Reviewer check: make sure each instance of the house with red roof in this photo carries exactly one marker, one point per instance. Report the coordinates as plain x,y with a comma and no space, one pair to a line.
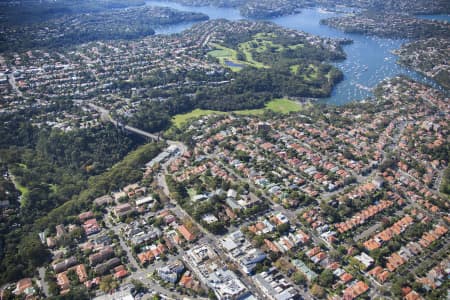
186,233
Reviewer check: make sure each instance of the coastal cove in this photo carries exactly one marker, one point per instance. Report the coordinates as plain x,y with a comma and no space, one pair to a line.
369,59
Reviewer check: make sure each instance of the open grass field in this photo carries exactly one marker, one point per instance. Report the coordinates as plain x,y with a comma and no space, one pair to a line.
181,119
308,74
224,54
250,46
313,72
283,106
261,42
294,69
296,47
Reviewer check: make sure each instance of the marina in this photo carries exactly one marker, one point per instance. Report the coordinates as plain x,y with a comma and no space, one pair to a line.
369,59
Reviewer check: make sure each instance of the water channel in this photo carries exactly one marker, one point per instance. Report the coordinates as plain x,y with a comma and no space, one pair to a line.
369,59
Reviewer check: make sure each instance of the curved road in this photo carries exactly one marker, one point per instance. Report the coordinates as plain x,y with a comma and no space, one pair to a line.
106,116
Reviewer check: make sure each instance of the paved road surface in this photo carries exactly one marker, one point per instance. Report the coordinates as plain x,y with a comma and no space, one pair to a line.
42,282
12,82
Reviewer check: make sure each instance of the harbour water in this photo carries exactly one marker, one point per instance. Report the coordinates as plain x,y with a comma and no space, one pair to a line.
435,17
369,59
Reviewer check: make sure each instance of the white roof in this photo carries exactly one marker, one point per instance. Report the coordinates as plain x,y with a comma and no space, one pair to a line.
228,244
121,295
231,193
144,200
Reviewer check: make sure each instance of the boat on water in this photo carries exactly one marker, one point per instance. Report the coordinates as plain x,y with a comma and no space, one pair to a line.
363,87
324,11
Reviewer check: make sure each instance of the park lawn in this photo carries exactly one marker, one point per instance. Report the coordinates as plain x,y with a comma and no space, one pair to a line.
315,73
311,74
224,54
283,106
296,47
261,46
262,43
294,69
54,188
247,50
181,119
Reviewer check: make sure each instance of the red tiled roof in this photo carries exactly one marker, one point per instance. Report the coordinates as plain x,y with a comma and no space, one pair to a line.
186,233
121,274
413,295
346,277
